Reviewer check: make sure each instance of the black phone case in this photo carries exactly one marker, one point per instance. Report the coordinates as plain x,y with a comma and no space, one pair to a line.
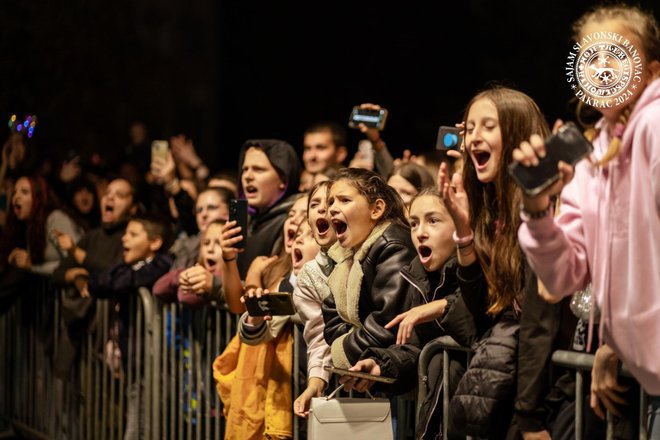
238,210
273,304
568,145
443,131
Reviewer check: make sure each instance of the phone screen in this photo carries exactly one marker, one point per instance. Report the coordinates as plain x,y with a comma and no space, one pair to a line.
370,118
238,211
159,150
568,145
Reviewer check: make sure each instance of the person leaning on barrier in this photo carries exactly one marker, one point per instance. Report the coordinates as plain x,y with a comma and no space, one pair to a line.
433,307
98,250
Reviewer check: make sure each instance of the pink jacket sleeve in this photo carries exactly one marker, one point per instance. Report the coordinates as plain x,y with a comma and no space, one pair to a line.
308,304
556,248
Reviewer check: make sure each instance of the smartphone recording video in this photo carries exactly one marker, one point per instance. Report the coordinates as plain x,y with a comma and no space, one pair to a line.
159,149
370,118
449,138
568,145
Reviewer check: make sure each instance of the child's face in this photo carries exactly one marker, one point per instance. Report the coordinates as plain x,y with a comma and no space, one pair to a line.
431,229
210,250
296,216
304,247
209,207
319,219
405,189
351,214
21,199
619,26
261,183
483,139
136,242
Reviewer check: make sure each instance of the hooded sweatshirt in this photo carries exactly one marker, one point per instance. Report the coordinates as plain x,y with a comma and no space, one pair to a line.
265,226
608,233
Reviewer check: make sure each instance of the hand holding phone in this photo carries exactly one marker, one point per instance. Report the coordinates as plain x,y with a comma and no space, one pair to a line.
568,145
238,212
271,304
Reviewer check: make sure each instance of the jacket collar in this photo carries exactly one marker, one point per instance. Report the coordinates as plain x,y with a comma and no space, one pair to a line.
345,282
416,275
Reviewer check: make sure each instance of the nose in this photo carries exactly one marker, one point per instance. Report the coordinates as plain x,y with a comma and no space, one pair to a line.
421,233
333,211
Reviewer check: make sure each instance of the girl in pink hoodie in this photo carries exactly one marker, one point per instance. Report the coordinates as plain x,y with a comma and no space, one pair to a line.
608,230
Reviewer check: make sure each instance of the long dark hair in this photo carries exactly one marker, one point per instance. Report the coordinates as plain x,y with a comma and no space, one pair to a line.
373,187
30,234
495,206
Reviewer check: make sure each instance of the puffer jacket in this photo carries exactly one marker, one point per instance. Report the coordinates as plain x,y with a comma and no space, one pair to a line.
401,361
367,293
541,331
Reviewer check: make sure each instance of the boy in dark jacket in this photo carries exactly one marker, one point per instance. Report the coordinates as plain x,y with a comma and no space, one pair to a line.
144,261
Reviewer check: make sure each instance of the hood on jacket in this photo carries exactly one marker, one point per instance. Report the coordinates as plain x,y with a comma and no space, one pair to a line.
281,156
649,96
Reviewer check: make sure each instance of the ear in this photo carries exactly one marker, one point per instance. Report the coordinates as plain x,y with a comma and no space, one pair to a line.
133,209
155,244
377,209
654,69
341,154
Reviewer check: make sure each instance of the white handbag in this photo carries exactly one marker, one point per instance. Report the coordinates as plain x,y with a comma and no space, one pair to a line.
347,418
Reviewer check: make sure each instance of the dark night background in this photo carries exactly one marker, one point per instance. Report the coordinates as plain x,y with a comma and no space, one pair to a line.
222,72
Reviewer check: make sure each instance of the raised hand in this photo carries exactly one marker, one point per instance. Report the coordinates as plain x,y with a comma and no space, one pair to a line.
415,316
455,199
231,234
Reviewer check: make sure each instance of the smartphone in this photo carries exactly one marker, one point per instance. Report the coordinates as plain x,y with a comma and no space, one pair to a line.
360,374
159,149
449,138
370,118
273,304
568,145
238,210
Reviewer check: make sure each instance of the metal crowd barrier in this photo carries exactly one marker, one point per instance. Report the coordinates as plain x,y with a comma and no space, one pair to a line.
168,370
580,362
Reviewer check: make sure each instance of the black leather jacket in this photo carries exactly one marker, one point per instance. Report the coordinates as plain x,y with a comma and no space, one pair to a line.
382,295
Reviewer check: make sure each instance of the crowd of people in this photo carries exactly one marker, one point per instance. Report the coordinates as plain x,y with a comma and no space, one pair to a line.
380,256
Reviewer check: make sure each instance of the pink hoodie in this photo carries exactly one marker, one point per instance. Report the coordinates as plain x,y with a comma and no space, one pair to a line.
608,232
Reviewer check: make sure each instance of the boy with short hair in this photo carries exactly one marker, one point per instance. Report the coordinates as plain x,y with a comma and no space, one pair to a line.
145,259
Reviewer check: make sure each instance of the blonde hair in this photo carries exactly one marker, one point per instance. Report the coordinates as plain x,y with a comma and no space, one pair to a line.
645,27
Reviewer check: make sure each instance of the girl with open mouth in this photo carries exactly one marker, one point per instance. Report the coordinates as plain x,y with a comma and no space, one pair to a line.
311,289
373,245
497,284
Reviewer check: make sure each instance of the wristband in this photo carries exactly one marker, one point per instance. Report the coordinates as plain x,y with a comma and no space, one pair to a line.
463,240
526,215
227,260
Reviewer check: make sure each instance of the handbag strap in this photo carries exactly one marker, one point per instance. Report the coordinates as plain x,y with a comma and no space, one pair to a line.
340,387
